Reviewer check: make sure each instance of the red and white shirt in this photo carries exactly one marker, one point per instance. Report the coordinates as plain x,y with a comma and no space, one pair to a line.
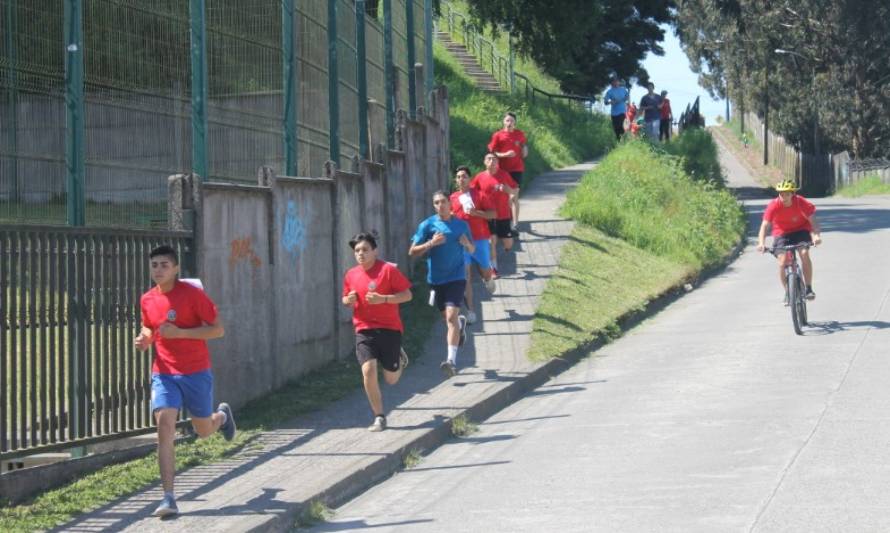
504,141
795,217
383,278
487,184
478,225
185,306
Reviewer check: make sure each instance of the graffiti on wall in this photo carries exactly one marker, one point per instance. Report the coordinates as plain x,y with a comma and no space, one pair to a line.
293,233
242,250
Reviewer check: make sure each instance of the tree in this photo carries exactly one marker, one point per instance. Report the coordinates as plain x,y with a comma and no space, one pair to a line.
581,43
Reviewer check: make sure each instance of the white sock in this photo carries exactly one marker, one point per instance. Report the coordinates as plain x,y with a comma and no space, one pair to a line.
225,418
452,355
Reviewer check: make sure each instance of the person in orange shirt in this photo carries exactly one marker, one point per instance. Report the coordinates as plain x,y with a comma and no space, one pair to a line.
511,148
667,118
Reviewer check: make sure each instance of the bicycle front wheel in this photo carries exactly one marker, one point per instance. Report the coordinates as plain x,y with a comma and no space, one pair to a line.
802,291
794,297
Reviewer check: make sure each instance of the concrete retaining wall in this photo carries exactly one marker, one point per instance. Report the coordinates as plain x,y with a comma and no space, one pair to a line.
273,255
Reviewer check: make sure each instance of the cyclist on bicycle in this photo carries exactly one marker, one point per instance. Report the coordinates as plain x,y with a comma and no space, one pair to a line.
794,221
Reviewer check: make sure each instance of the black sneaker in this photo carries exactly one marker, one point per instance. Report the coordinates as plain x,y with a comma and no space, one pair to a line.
810,294
378,425
462,321
227,429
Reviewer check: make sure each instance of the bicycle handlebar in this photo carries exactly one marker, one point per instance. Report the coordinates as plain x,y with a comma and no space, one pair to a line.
787,248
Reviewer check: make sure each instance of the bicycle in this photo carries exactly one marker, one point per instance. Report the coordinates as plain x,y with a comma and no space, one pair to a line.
797,289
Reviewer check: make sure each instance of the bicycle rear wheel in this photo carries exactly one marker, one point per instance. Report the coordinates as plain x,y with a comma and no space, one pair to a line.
794,297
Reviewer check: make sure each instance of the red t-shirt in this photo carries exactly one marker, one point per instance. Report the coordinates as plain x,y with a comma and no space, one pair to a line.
486,184
478,225
185,306
504,141
383,278
666,109
787,220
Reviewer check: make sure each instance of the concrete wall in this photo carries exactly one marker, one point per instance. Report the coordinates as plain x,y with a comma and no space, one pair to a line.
273,255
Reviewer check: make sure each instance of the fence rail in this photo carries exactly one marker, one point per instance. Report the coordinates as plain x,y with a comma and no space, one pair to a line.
459,26
69,307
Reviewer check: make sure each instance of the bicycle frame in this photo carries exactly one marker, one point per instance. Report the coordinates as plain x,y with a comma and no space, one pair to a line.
796,285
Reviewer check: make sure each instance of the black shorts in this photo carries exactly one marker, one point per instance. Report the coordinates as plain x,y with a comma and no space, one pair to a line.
384,345
790,239
618,125
450,294
517,177
502,227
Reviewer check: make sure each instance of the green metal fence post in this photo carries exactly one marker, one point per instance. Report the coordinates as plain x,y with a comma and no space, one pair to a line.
290,81
429,80
74,95
333,85
12,96
512,65
198,34
362,79
389,69
412,59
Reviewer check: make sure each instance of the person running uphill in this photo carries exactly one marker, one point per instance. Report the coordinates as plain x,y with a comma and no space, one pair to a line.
471,207
617,96
511,148
793,220
445,238
497,187
374,289
179,319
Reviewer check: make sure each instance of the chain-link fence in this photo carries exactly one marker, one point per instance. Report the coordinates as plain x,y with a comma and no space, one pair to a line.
277,94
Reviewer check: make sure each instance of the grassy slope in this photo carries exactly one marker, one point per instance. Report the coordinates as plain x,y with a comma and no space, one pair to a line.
644,226
867,186
558,135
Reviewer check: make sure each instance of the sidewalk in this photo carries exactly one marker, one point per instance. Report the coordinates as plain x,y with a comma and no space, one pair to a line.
329,455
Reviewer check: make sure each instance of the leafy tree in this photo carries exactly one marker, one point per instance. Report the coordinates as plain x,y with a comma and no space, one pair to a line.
581,43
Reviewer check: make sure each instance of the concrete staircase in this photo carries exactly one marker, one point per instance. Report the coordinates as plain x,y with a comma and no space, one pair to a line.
480,77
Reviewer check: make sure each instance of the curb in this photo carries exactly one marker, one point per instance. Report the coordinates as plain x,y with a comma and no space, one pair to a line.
359,481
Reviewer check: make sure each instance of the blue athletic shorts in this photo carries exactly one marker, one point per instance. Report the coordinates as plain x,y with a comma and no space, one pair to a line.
192,391
481,256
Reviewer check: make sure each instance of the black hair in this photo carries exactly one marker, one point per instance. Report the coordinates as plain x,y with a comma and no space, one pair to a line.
440,192
464,168
510,114
369,237
165,250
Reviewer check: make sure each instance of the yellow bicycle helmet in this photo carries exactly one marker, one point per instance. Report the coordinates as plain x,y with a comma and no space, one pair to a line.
786,185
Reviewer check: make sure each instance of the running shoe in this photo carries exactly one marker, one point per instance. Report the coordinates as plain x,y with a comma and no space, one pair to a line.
403,359
462,321
471,317
448,369
379,424
810,294
227,429
167,507
786,301
490,285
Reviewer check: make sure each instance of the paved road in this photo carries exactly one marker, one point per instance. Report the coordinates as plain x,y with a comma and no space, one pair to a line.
710,416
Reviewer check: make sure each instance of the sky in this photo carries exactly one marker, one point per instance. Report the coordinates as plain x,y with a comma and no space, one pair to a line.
671,72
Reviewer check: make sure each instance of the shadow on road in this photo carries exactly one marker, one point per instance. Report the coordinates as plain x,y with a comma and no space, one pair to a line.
833,326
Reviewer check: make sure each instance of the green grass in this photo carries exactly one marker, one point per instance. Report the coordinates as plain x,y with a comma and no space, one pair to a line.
644,226
867,186
599,279
558,134
412,458
643,196
461,426
698,155
311,392
315,513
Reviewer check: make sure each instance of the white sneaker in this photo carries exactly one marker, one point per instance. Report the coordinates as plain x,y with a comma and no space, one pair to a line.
471,317
378,425
490,285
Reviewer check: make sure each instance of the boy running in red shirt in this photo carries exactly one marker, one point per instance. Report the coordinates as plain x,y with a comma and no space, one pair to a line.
496,186
179,319
374,289
511,147
470,206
